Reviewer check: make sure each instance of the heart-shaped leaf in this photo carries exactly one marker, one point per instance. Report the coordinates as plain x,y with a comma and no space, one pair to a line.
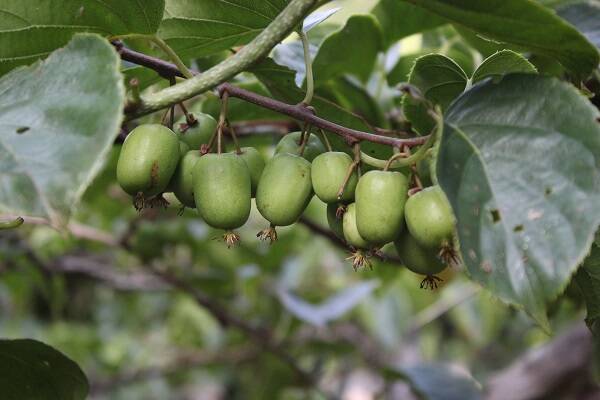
29,32
521,171
522,23
58,120
440,80
33,370
502,63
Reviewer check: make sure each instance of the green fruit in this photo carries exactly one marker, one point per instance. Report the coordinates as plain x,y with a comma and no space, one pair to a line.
199,133
380,198
417,258
222,190
290,143
351,233
284,189
429,217
256,164
183,148
335,223
328,172
182,182
147,160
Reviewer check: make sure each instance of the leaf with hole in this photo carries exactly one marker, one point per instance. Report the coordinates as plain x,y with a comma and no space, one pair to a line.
521,172
58,120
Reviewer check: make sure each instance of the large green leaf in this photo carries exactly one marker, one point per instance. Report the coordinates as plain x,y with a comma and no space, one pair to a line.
196,28
33,370
523,23
351,50
584,16
440,80
438,382
58,120
519,162
31,29
502,63
399,20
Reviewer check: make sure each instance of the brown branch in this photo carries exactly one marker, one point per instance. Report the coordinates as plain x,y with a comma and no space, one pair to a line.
542,372
181,363
259,335
298,111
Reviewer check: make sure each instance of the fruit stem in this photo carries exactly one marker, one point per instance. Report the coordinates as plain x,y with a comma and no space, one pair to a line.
190,120
236,142
222,121
350,170
134,86
326,140
310,86
304,138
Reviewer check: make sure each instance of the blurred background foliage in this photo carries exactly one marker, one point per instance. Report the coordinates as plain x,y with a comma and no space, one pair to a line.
92,295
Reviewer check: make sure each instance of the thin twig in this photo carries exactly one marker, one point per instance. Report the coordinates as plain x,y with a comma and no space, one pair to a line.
298,112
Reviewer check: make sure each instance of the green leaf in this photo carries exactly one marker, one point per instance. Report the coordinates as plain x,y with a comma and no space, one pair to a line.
440,81
588,280
438,382
33,370
502,63
522,23
351,50
195,28
331,309
28,32
584,16
399,20
521,171
58,119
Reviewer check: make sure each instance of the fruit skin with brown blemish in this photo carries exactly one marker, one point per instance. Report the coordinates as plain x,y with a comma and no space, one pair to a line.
284,190
429,218
222,190
290,144
148,159
380,197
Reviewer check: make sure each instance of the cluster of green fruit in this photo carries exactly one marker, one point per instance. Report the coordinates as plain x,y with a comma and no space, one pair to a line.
367,212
